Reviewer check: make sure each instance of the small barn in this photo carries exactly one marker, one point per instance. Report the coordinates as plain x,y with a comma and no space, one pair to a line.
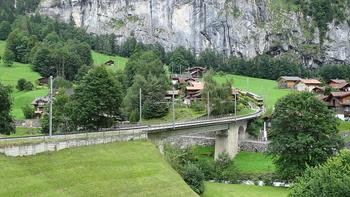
288,81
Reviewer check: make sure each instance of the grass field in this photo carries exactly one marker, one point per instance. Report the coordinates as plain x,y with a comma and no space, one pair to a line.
344,126
249,162
246,162
118,169
22,99
262,87
232,190
119,62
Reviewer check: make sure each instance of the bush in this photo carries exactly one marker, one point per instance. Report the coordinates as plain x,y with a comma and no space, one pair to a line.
331,179
198,106
194,177
28,86
28,111
224,168
23,84
60,82
20,84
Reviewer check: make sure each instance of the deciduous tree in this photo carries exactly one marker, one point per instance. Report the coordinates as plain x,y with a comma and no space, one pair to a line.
304,133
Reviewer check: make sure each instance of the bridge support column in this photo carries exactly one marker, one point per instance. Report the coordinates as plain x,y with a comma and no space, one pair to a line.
227,140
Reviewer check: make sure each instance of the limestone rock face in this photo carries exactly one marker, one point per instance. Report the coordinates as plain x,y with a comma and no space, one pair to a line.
243,28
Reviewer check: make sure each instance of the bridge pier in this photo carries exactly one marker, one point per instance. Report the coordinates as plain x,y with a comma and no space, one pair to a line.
227,140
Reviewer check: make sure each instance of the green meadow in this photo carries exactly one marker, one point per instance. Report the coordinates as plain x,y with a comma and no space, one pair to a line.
234,190
117,169
268,89
119,62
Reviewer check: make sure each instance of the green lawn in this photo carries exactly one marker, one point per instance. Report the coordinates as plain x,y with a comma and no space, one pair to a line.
118,169
233,190
119,62
344,126
23,131
347,139
250,162
262,87
246,162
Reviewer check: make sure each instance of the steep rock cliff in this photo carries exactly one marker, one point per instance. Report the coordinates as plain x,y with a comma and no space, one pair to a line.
243,28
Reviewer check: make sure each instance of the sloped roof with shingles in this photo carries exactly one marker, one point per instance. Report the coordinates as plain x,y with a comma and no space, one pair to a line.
290,78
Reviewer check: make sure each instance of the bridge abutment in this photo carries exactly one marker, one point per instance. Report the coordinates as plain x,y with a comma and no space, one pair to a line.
227,140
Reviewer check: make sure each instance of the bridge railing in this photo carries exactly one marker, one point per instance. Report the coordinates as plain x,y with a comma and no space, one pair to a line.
128,127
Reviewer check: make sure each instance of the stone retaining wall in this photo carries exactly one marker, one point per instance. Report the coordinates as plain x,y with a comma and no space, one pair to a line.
253,146
187,141
45,146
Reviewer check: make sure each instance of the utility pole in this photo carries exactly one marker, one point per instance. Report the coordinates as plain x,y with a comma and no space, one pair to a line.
208,105
50,115
173,107
235,105
140,106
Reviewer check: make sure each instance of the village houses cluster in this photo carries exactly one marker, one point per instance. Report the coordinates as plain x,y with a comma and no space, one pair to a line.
337,97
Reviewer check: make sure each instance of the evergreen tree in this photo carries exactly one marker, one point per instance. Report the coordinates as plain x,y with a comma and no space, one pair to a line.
6,122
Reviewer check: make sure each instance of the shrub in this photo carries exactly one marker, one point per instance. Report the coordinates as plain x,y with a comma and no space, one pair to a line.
28,86
28,111
60,82
331,179
194,177
20,84
225,169
23,84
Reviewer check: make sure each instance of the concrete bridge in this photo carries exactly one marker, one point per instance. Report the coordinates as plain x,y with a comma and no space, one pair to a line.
229,130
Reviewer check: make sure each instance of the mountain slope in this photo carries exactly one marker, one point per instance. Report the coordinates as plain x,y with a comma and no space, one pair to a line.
243,28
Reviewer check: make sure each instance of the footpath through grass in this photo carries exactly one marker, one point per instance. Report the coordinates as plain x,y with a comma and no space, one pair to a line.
118,169
234,190
268,89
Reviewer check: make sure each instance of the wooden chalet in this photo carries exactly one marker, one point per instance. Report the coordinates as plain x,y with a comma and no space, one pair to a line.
288,81
307,85
39,105
43,81
334,82
340,103
194,91
341,87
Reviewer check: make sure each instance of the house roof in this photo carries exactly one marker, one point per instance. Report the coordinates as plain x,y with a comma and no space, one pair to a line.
339,85
337,81
40,99
340,94
310,81
290,78
196,68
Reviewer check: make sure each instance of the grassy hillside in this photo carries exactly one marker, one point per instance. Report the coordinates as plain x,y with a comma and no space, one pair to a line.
232,190
10,76
119,62
262,87
117,169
